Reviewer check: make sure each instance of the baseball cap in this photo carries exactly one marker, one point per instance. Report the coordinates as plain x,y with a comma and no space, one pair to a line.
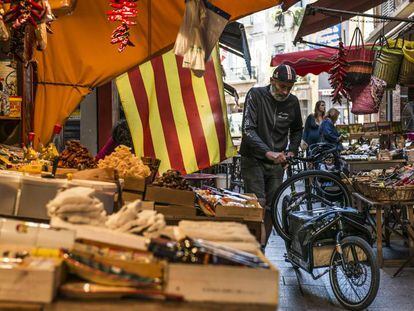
284,73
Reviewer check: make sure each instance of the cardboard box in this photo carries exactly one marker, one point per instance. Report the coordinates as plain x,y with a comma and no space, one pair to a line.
175,210
170,196
224,284
34,281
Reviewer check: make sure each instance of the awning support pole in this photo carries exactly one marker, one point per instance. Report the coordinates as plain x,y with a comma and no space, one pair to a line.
311,10
317,44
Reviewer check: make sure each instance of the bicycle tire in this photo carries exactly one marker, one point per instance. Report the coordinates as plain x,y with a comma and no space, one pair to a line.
288,182
375,279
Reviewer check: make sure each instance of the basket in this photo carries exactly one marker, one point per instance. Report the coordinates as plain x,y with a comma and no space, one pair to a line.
387,66
406,76
397,193
361,183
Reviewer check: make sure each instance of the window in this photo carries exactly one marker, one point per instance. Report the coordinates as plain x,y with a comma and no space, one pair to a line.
278,48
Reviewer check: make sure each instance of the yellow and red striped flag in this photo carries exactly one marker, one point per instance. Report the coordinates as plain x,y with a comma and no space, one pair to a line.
175,116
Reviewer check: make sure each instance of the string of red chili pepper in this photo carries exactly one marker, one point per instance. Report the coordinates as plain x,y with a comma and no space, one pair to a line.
24,11
337,76
123,11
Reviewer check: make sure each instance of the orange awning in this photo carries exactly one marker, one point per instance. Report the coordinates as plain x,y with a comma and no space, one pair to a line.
79,55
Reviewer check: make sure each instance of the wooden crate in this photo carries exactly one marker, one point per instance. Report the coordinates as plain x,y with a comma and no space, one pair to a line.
245,213
170,196
224,284
34,281
175,210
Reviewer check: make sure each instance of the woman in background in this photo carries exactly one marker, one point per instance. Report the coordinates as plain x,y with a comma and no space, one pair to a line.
328,132
311,133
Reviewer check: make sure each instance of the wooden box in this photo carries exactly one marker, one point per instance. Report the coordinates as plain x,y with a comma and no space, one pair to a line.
175,210
255,213
245,213
170,196
128,196
34,281
370,127
135,184
384,127
223,284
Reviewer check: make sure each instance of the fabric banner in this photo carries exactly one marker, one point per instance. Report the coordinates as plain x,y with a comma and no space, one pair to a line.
175,116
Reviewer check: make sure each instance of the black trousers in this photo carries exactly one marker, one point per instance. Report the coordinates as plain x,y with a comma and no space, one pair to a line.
263,180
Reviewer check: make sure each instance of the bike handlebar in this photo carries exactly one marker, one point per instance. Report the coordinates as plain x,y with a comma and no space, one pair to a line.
292,160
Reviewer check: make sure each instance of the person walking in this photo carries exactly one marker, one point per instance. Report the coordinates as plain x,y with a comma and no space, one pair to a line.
311,133
271,123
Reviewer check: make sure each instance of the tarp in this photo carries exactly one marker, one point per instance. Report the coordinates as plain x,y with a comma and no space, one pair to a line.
313,61
79,51
175,116
312,23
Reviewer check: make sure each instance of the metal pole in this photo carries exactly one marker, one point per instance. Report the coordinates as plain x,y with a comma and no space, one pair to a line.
317,44
311,10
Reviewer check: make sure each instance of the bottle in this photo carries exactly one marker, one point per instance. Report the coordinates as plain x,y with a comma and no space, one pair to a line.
53,145
30,154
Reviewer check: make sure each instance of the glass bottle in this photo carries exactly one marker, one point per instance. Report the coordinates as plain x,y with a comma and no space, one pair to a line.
30,153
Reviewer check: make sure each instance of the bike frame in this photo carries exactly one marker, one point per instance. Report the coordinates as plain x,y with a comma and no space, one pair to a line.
337,221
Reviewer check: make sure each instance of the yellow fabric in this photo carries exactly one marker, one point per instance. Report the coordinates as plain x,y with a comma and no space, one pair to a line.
79,51
160,141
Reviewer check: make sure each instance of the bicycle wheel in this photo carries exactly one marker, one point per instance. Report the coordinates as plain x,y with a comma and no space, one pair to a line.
356,285
307,191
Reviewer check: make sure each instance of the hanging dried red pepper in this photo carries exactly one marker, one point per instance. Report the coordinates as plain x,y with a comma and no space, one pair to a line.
123,11
25,11
337,78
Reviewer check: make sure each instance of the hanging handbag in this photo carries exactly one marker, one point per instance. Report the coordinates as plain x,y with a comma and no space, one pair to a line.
359,60
366,98
387,63
406,76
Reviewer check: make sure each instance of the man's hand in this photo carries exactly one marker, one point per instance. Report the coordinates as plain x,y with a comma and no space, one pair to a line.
276,157
290,154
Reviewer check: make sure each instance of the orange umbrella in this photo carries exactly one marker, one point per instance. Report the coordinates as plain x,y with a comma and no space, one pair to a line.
80,57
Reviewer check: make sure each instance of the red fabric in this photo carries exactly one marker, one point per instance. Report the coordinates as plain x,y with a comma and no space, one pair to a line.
313,61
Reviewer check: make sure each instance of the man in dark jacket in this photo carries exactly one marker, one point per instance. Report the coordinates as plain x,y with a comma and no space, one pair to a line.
271,120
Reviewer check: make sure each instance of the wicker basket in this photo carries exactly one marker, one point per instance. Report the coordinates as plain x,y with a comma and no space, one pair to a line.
397,193
361,184
387,66
406,76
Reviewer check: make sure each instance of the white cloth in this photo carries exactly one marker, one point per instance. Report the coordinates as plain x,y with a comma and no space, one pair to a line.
77,205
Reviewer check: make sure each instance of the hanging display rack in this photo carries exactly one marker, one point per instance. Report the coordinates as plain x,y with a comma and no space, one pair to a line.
312,10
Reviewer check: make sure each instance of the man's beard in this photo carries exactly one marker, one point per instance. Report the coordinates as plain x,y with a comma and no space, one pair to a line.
278,97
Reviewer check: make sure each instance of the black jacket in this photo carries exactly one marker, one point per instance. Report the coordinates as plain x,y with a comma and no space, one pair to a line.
269,124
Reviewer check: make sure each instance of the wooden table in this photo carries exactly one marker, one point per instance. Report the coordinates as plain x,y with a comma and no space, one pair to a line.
129,304
386,207
357,166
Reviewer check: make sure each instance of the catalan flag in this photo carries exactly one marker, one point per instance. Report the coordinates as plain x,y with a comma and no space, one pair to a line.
175,116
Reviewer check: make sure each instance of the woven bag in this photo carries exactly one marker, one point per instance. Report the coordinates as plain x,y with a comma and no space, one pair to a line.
366,98
387,64
406,76
360,60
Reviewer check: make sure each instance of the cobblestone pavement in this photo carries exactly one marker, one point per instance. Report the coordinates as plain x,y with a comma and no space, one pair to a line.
393,294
